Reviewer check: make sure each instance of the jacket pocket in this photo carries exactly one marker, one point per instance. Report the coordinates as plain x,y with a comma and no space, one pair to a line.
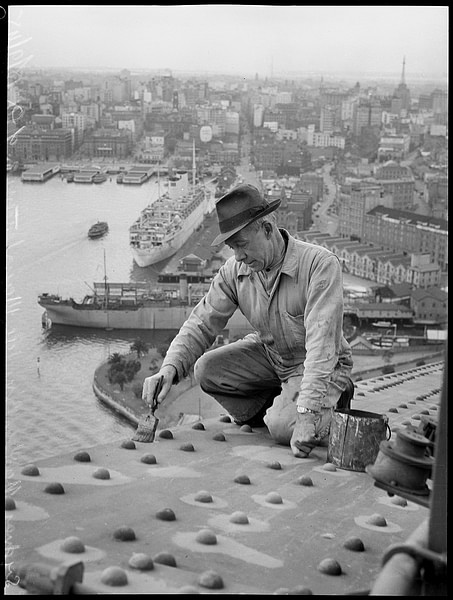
294,331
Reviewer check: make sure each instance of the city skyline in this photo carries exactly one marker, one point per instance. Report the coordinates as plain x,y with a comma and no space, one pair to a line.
233,39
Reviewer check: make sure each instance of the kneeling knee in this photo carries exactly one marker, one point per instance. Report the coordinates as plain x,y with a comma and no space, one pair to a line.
204,369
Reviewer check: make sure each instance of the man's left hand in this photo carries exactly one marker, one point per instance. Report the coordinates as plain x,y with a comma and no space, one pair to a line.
309,430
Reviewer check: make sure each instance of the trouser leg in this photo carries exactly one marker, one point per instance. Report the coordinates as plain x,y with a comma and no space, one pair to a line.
240,377
280,418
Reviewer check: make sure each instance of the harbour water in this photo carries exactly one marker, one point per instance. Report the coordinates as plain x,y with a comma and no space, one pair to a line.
50,404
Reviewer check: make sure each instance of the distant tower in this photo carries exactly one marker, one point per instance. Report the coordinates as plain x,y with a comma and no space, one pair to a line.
403,74
402,91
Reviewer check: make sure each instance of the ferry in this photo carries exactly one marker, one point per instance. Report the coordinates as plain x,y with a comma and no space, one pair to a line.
98,229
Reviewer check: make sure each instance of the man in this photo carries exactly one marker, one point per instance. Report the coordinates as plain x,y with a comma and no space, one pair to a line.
292,371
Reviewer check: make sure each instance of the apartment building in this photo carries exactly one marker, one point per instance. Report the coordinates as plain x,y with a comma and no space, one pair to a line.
355,201
403,231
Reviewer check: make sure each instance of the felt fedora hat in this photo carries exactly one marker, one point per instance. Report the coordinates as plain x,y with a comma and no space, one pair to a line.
240,207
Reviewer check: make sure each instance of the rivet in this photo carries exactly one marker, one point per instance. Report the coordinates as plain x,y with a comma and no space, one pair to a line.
355,544
329,467
402,405
219,437
114,576
187,447
198,426
399,501
206,536
30,470
377,520
274,465
211,580
148,459
165,558
9,503
166,434
203,496
244,479
330,566
273,498
239,517
101,474
166,514
54,488
246,428
73,544
188,589
82,456
225,419
305,480
141,561
424,412
124,534
301,590
128,444
393,410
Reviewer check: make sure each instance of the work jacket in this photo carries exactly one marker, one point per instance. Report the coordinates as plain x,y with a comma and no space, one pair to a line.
300,323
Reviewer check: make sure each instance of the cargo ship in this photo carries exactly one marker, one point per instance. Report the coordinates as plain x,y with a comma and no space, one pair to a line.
135,305
164,226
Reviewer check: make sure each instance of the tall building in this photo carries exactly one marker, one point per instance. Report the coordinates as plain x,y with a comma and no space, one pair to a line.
356,203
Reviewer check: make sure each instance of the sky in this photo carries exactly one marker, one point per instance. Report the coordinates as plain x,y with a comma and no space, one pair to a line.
232,39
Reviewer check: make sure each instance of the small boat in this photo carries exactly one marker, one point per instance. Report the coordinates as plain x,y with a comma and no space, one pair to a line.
98,229
99,178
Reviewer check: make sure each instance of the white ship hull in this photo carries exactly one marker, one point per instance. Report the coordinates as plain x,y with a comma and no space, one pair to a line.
145,257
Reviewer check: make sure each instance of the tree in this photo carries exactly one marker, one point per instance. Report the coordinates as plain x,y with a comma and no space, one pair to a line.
120,378
140,347
115,358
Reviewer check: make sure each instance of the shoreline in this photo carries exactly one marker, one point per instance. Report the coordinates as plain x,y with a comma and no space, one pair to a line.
186,402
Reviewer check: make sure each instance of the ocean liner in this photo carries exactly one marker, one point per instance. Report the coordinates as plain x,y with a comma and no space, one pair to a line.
165,225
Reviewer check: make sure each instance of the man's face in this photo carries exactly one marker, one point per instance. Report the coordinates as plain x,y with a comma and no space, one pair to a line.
252,247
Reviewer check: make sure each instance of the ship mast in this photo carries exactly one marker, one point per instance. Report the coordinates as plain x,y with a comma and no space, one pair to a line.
193,167
105,283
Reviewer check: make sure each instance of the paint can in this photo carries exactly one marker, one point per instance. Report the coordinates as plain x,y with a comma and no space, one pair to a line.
354,438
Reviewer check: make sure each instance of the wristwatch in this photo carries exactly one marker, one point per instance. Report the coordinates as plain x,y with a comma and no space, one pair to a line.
302,410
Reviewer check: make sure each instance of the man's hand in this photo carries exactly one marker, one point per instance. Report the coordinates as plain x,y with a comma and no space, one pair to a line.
150,383
309,430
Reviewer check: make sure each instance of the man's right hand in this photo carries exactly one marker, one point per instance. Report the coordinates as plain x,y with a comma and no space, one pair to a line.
150,383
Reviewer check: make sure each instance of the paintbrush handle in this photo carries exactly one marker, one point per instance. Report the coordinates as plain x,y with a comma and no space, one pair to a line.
157,389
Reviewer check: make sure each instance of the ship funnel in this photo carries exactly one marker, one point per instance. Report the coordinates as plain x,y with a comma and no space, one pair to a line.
178,185
183,286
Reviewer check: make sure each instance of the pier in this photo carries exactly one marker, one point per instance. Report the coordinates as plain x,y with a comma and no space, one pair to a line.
40,173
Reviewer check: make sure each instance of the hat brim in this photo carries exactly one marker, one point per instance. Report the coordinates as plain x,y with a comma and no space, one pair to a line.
220,239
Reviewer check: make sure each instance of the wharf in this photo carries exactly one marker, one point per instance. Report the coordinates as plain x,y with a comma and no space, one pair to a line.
40,173
212,507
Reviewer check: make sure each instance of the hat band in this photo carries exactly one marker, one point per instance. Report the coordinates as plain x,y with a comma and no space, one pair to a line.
241,218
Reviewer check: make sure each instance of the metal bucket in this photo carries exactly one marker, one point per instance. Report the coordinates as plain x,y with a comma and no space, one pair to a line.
354,438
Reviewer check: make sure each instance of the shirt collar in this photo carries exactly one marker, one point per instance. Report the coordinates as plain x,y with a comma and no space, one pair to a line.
289,266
